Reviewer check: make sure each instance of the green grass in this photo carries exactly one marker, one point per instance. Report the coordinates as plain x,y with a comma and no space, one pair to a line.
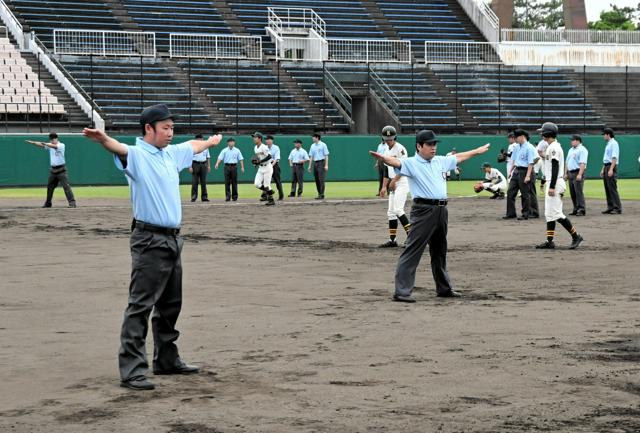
629,190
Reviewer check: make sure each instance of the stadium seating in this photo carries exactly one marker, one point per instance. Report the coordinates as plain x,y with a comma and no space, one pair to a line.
175,16
249,92
518,96
46,15
116,89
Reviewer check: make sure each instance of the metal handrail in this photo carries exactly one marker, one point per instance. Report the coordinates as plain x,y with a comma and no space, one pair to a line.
338,92
304,17
218,52
104,51
483,17
382,89
572,36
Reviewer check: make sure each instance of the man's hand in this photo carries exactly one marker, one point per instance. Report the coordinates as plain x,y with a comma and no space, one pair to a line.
579,177
602,172
242,169
209,169
190,169
527,179
382,192
214,140
96,135
392,185
326,168
610,173
552,192
112,145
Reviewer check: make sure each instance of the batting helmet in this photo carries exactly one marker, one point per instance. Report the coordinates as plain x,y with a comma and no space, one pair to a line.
548,129
389,133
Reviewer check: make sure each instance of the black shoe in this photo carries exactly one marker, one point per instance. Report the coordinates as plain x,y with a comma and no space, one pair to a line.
73,205
547,245
407,299
46,205
227,199
235,199
607,211
181,369
270,203
522,218
507,217
581,213
291,195
575,212
299,194
389,244
576,242
320,197
140,383
205,199
192,200
501,196
263,199
616,211
450,294
280,198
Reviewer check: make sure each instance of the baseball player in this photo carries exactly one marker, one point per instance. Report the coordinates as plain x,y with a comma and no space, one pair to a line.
538,167
554,169
456,170
262,161
495,182
398,187
380,167
512,146
58,170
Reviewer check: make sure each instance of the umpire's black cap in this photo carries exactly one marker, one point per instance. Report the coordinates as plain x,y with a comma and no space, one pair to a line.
297,141
156,113
609,132
269,137
511,135
519,132
426,136
576,137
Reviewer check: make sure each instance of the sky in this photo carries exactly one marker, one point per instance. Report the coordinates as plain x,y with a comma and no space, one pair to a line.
594,7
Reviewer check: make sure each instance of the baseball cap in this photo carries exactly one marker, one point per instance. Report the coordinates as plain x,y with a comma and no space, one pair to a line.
269,137
485,165
426,136
257,134
577,137
519,132
53,135
297,141
511,135
155,113
230,139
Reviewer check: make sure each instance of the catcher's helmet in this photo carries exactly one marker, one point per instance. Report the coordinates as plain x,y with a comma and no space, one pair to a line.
548,129
389,133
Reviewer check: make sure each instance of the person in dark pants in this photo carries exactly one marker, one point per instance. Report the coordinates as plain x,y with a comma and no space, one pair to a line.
427,175
152,170
58,169
274,149
576,165
523,157
609,173
297,157
231,157
199,168
319,160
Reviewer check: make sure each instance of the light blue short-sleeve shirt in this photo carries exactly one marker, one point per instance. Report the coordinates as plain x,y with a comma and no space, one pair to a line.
428,178
298,155
275,152
576,156
230,155
56,156
525,154
318,151
153,179
612,150
202,156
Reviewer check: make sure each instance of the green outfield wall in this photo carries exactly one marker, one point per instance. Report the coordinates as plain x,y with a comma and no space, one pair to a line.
89,164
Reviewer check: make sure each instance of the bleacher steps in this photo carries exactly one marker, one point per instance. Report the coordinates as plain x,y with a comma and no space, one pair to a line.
380,19
230,17
120,13
467,24
464,117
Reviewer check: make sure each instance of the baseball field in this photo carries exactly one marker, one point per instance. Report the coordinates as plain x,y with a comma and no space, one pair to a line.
287,310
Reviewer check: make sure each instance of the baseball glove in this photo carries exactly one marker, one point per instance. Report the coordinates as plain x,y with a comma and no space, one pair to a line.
502,156
255,160
477,187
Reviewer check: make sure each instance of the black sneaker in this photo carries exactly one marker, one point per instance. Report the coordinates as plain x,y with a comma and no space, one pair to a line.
608,211
270,203
291,195
407,299
389,244
138,383
547,245
576,242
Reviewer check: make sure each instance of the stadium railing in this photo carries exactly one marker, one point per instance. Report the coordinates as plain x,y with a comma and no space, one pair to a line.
104,42
369,50
211,46
460,52
571,36
483,17
382,89
283,20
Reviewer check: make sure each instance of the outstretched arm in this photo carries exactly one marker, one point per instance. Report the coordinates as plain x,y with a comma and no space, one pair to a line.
201,145
389,160
463,156
112,145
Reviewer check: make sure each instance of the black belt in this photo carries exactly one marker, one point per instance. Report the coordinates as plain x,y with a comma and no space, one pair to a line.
199,162
298,163
430,201
141,225
319,161
522,168
231,165
574,171
607,163
55,167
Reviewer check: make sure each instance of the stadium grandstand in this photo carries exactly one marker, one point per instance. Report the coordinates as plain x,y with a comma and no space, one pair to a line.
297,66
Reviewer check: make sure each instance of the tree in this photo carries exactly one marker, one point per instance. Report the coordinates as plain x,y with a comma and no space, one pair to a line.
537,14
617,19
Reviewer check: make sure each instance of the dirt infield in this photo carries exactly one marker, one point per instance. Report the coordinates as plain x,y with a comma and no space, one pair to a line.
288,311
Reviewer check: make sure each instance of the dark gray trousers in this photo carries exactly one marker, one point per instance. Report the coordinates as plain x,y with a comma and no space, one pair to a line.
517,184
428,226
59,176
576,189
611,188
533,198
231,181
199,175
277,180
298,178
318,175
156,284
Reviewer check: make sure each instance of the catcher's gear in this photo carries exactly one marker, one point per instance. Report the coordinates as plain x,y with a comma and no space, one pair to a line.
389,133
502,156
477,187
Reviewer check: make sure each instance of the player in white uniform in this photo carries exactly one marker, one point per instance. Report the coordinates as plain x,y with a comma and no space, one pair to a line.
495,181
456,170
398,187
512,146
555,187
541,148
264,166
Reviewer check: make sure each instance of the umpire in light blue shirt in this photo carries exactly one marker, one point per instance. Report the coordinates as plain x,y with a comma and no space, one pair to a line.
319,160
297,157
231,157
576,165
427,175
522,177
152,168
199,168
609,172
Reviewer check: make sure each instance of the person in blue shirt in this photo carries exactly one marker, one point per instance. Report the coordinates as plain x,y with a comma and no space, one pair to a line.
58,169
575,167
297,157
274,150
427,173
319,160
152,170
231,157
199,168
523,156
609,172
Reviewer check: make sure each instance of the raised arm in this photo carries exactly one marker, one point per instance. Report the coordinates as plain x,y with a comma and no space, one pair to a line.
463,156
201,145
389,160
112,145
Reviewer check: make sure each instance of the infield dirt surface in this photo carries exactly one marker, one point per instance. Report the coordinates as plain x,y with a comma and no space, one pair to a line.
288,312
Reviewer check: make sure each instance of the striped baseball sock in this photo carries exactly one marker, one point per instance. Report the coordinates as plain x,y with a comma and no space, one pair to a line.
405,223
551,230
569,227
393,229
